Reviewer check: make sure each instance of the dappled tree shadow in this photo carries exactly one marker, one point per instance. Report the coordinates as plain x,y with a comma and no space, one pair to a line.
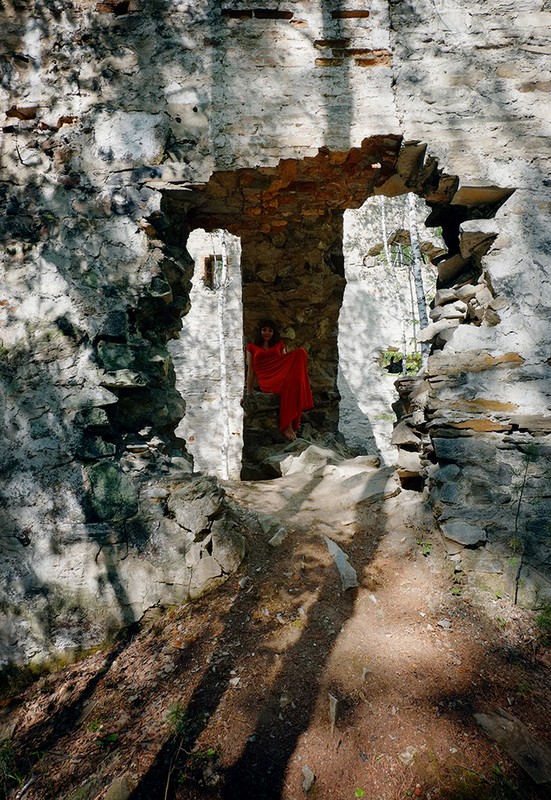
260,770
30,222
266,684
66,716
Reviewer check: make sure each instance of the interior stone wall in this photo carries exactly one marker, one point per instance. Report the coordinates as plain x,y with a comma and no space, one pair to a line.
125,126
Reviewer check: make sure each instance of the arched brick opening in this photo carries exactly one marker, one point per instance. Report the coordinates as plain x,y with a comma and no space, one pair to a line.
290,222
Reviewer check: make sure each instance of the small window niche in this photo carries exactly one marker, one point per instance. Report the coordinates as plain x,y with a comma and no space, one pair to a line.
212,272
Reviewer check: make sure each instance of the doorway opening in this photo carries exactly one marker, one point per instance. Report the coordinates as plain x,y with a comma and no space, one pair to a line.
290,221
379,322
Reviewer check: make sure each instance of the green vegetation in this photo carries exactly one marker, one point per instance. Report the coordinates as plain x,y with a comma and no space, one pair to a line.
413,361
179,720
197,765
9,773
201,768
107,739
426,547
543,623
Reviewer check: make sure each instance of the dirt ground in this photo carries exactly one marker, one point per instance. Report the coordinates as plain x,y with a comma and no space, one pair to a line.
281,684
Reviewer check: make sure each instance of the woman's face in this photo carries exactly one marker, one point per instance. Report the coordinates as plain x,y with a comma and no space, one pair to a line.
266,334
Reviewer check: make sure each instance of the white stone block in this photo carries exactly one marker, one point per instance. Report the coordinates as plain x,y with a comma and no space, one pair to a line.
130,138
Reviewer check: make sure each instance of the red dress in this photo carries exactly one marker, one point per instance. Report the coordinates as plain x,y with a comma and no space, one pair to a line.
284,374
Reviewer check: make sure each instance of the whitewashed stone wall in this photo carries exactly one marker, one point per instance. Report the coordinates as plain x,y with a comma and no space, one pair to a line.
212,332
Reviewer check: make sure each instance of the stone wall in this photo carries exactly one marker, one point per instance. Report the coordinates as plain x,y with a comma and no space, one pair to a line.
209,356
128,124
484,406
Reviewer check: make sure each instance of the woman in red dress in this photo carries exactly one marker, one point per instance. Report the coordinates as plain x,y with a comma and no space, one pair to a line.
284,374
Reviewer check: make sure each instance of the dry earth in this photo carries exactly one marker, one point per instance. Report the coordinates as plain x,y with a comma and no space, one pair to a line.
280,684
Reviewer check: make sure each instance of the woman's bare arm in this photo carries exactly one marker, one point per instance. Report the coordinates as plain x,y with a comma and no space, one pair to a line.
250,373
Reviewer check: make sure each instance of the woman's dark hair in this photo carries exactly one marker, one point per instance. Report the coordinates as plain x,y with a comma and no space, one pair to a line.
267,323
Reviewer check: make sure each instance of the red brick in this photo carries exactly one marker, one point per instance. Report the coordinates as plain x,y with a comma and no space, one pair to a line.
23,112
328,62
359,14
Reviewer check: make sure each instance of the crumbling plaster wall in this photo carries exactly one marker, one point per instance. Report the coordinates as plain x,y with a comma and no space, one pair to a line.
485,403
108,108
209,359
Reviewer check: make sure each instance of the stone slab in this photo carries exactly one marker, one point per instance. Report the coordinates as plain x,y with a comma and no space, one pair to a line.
463,533
372,486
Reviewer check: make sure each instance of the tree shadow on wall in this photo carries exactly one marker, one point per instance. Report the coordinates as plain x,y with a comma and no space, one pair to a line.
355,424
243,90
44,513
87,273
39,482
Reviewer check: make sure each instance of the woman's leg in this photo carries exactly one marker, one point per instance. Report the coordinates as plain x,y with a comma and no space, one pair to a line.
295,395
289,433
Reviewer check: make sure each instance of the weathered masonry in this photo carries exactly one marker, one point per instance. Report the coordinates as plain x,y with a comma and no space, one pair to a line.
128,124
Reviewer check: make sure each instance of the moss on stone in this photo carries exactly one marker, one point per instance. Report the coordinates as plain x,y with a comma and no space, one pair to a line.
111,495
